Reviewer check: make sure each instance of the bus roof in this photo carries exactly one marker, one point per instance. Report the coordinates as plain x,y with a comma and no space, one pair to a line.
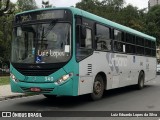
86,14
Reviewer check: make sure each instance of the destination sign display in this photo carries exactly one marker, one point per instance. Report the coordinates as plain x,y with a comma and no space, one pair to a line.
40,15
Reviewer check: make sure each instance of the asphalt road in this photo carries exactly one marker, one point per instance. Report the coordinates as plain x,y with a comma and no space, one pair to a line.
122,99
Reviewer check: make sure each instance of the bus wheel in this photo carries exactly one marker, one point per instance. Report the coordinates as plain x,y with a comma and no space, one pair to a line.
50,96
140,84
98,88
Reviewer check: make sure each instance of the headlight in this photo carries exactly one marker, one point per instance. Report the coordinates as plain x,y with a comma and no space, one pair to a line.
13,77
64,78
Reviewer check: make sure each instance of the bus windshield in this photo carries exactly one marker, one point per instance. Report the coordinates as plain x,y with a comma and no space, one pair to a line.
41,43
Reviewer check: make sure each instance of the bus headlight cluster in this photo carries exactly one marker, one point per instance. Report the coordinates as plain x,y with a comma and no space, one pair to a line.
13,77
64,78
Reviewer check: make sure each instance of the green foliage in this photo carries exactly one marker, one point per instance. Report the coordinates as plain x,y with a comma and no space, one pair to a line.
4,7
153,22
24,5
4,80
6,24
130,16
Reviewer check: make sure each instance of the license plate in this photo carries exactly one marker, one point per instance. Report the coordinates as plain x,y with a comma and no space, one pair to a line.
35,89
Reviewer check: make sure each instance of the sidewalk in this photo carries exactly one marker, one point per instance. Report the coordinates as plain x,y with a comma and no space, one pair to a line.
5,93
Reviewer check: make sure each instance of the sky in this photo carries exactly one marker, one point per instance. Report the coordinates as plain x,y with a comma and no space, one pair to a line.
65,3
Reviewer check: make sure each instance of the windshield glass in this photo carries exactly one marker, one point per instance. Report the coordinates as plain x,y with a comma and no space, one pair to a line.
41,43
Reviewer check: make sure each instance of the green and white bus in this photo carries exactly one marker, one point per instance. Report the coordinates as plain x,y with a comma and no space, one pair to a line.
71,52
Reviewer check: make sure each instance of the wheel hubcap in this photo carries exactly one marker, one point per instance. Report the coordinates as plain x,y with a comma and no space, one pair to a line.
97,87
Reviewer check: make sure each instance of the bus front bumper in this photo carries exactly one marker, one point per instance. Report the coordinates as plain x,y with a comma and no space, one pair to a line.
65,89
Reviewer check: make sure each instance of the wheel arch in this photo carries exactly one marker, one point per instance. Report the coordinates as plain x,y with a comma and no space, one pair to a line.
104,76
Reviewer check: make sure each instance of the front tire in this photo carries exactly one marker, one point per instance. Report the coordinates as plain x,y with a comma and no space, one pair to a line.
98,88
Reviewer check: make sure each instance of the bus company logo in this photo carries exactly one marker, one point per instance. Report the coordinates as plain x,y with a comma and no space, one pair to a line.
116,61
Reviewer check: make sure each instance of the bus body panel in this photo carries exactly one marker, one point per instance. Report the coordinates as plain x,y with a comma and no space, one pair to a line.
69,88
120,70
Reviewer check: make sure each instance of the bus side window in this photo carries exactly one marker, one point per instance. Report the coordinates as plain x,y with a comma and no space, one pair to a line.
77,35
119,44
117,35
88,40
83,46
103,41
81,42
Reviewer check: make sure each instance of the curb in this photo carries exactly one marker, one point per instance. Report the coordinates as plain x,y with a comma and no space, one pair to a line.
12,97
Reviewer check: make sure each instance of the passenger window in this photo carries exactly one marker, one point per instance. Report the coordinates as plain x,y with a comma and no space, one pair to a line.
153,45
103,41
148,52
102,31
140,50
130,38
118,35
140,41
130,48
86,49
88,40
148,43
119,45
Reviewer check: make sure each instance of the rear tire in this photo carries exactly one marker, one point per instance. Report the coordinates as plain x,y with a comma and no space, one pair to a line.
140,84
98,88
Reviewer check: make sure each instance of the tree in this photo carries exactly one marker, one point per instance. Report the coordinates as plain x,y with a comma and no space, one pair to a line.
6,19
116,4
24,5
153,22
114,10
106,8
4,6
88,5
132,17
7,13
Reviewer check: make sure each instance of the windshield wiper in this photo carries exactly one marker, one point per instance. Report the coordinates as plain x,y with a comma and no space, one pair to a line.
49,28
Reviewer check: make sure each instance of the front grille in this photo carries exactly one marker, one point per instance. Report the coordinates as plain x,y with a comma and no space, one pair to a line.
43,90
36,72
37,69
